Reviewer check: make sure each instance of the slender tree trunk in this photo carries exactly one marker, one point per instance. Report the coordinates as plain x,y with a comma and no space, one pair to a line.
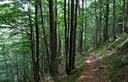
66,38
37,78
74,37
81,29
127,12
114,18
53,39
32,46
55,13
105,30
85,27
124,21
44,34
96,33
100,23
71,54
126,24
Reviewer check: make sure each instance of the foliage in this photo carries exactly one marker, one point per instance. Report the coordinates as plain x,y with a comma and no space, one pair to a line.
18,34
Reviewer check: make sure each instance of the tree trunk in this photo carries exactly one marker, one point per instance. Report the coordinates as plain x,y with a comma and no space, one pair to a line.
96,33
114,18
44,34
66,38
100,23
105,31
37,78
81,29
32,41
53,39
124,14
126,25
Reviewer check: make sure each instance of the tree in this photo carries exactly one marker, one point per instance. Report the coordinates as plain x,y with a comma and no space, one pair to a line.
126,24
82,28
53,39
96,33
66,39
37,76
101,22
73,36
106,17
114,21
39,39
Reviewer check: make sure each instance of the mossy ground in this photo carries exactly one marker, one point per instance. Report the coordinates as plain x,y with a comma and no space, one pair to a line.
122,39
117,62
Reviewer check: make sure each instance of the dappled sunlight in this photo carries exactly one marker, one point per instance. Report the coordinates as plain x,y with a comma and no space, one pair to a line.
88,61
62,40
94,67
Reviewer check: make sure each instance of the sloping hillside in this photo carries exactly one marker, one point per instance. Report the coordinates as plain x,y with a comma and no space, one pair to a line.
118,62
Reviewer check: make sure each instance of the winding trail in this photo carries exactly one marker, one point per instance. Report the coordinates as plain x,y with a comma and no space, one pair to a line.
95,70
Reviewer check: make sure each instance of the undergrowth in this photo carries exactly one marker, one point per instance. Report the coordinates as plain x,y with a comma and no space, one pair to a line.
80,65
117,63
114,45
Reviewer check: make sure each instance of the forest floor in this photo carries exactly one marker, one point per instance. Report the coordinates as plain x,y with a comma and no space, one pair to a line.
95,68
109,63
105,64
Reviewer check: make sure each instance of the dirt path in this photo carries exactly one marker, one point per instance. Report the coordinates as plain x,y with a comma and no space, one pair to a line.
95,70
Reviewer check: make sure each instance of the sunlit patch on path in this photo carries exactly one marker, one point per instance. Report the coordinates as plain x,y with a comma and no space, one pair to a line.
94,71
88,61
